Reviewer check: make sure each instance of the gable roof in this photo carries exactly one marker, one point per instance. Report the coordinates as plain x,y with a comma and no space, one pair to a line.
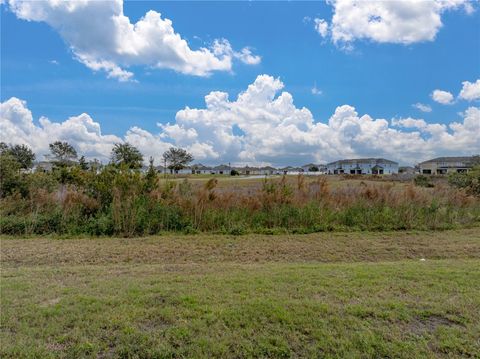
362,160
465,159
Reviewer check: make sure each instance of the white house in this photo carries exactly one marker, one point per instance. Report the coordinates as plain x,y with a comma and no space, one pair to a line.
267,170
247,170
321,169
221,170
42,166
376,166
200,169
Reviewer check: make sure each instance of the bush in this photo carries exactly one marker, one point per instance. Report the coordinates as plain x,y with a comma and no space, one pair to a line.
470,181
423,181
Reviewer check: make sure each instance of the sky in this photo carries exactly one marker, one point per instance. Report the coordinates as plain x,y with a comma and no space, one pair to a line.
280,83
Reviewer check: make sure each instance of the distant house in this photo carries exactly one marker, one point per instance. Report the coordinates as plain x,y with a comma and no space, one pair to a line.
185,171
221,170
320,168
290,170
267,170
445,165
307,167
42,166
376,166
247,170
200,169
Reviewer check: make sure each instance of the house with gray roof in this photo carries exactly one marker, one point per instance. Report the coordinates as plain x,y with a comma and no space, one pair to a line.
358,166
222,170
201,169
446,165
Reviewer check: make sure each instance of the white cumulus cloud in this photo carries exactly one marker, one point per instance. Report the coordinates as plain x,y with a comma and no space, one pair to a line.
422,107
104,39
17,126
391,21
321,26
470,91
443,97
261,125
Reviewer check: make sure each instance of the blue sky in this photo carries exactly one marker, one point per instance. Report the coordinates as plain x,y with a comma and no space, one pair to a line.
380,78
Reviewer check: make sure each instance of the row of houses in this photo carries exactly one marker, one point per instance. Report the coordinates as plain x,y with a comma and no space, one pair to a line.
246,170
373,166
381,166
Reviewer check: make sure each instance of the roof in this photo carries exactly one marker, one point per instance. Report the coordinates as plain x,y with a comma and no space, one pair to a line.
293,169
364,160
200,166
222,167
245,168
450,159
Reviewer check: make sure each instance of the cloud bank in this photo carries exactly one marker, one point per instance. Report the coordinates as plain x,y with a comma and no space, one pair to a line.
394,21
261,125
104,39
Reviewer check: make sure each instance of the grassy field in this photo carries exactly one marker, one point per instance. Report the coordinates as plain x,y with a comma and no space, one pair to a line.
355,295
334,181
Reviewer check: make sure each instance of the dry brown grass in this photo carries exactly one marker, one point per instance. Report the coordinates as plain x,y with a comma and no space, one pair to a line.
322,247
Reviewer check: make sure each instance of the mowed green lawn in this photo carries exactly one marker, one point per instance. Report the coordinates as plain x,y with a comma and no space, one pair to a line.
354,295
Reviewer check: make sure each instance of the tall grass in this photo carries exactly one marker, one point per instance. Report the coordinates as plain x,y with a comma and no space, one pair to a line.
118,203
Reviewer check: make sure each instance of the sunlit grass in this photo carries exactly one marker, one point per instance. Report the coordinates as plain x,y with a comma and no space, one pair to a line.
244,297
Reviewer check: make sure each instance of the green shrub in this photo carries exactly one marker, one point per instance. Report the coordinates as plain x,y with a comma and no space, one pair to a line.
423,181
467,180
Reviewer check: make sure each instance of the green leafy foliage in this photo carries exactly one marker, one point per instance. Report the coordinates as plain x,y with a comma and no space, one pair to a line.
63,153
126,155
22,154
177,158
470,181
423,181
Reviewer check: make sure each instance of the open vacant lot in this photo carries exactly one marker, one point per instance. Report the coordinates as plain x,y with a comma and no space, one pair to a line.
319,295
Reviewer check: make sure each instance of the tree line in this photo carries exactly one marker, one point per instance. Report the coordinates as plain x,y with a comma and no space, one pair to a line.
62,154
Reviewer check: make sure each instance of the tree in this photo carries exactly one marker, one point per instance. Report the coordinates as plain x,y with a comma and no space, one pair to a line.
9,173
3,147
82,163
177,158
64,154
150,177
20,153
124,154
313,169
23,155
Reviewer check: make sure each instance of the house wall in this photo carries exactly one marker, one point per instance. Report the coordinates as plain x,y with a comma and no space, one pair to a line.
365,167
439,168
